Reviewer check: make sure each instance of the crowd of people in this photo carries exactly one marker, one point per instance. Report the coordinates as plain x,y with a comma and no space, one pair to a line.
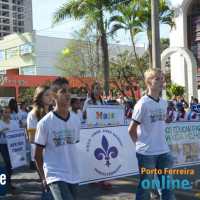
49,114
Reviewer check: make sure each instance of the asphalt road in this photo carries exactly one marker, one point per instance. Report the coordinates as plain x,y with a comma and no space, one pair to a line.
28,187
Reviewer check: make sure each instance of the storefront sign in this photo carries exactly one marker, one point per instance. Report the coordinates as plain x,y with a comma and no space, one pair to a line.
27,49
12,53
16,142
105,115
5,79
2,55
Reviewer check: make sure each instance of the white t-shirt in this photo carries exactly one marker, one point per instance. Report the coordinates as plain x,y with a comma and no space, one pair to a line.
89,102
12,125
151,115
59,136
193,116
79,114
23,116
15,116
31,121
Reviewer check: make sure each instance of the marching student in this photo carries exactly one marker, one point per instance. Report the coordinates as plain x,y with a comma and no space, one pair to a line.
42,104
75,109
192,116
95,99
170,110
15,114
129,109
23,113
147,131
6,124
55,145
180,114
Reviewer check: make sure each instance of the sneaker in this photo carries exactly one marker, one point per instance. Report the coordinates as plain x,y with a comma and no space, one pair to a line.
10,187
106,184
153,196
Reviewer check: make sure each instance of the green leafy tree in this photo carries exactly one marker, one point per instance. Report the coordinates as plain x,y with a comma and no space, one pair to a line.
80,61
124,70
176,90
127,19
166,16
27,95
93,12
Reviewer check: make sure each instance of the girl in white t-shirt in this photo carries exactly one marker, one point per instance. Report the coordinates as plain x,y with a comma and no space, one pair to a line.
15,114
6,124
42,104
95,99
75,109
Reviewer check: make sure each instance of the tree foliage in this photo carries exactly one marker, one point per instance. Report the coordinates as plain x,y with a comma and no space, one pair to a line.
176,90
27,95
80,61
124,70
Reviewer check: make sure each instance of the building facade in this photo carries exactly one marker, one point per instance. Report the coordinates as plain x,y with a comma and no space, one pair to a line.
185,34
15,17
31,54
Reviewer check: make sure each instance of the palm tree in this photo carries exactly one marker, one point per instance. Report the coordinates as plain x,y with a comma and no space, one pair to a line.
127,19
92,11
166,16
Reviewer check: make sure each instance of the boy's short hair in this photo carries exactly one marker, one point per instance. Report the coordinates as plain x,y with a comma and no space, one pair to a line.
73,100
151,73
57,83
4,108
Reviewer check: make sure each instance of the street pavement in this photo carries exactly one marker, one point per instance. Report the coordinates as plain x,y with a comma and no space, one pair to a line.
28,187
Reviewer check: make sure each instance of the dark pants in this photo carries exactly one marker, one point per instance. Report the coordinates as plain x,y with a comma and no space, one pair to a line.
6,159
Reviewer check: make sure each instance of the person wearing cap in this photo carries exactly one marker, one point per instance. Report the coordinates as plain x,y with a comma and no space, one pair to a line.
193,116
180,115
129,109
170,110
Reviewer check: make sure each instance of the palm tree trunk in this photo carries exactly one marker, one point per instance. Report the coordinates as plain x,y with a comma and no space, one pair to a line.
104,53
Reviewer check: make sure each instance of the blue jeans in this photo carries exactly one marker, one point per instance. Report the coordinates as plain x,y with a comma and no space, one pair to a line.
161,162
64,191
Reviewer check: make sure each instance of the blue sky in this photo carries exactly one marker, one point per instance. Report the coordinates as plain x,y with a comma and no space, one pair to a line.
43,15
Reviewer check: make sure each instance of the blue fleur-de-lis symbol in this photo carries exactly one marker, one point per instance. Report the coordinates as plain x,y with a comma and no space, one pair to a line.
22,158
106,152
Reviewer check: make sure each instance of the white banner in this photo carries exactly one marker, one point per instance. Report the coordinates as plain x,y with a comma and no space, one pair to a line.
105,115
109,153
16,142
184,142
106,153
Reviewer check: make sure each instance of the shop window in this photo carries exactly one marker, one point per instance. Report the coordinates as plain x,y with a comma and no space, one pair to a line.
3,72
29,70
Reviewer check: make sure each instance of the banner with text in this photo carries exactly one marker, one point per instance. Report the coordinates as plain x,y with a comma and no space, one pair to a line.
106,153
105,115
109,153
16,142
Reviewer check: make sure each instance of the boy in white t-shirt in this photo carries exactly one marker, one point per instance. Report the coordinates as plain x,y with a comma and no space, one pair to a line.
147,130
6,124
55,145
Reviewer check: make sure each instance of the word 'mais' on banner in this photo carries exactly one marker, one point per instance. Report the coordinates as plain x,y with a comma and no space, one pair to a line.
105,115
16,142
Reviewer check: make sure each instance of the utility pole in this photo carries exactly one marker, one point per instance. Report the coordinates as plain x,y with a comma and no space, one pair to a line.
156,62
